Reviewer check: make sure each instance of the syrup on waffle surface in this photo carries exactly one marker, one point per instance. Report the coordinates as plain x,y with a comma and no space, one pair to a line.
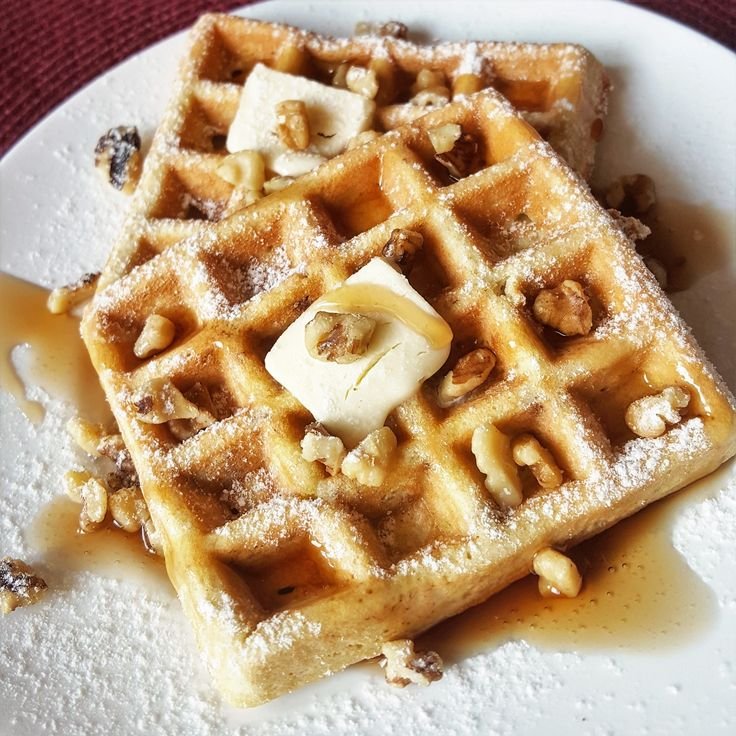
561,89
288,573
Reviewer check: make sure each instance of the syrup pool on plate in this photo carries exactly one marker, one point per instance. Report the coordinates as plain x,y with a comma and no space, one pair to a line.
55,358
638,593
108,551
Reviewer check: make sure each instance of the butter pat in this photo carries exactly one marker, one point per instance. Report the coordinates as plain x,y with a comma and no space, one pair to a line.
352,399
335,116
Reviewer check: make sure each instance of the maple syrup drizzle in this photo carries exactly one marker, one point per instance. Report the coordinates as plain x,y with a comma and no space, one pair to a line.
638,592
363,298
108,551
57,360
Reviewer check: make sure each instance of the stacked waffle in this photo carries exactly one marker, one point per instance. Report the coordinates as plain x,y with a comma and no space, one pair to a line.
561,89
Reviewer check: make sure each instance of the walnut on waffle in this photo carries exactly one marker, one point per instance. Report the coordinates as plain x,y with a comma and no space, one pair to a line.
288,572
561,88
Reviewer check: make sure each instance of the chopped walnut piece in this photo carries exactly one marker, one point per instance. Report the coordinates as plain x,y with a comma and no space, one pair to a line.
292,124
466,84
404,665
558,574
564,308
428,79
64,298
633,228
338,337
240,199
462,159
113,447
339,75
469,372
391,29
185,428
386,76
318,445
650,415
393,116
159,401
128,508
527,451
492,450
362,81
277,183
444,137
94,505
157,334
19,585
362,138
292,59
430,99
86,434
118,157
369,461
632,195
73,482
244,170
402,245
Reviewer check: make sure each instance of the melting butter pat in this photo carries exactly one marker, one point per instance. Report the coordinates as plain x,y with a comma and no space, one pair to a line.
410,343
335,116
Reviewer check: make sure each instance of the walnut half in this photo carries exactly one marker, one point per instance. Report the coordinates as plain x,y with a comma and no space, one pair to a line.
368,463
527,451
19,585
318,445
492,450
293,124
362,81
558,574
338,337
157,334
403,665
118,157
128,509
402,245
650,415
444,137
159,401
564,308
62,299
245,170
470,371
462,159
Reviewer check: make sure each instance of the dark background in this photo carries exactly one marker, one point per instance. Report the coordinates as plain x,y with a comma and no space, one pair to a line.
51,48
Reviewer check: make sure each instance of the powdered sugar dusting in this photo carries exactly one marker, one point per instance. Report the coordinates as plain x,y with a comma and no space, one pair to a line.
255,486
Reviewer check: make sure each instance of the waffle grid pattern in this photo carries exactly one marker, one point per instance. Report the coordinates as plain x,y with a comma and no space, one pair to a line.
288,574
561,88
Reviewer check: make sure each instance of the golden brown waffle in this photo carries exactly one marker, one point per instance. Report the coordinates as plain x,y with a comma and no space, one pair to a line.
288,574
561,88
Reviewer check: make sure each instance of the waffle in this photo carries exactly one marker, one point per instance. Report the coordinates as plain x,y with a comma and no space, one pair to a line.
287,574
561,88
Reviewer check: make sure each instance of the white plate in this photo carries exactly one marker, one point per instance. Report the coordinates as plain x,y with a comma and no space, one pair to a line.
104,655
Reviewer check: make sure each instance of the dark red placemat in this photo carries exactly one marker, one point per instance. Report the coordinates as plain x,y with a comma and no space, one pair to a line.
51,48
